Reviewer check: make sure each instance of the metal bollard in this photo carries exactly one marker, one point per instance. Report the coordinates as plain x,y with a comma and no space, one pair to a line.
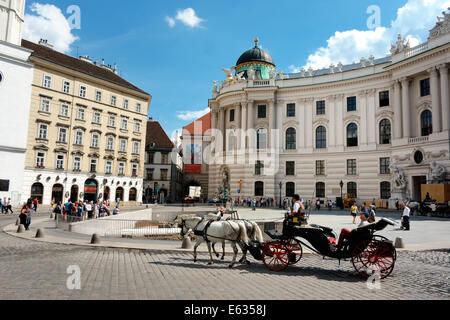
21,228
39,233
95,239
399,244
186,244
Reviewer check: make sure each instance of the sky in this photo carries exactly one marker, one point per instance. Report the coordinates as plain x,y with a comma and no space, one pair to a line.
175,49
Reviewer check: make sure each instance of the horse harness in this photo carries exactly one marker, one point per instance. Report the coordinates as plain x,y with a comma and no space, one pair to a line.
204,233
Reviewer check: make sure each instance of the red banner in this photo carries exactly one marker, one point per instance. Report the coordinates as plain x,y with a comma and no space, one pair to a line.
88,189
193,168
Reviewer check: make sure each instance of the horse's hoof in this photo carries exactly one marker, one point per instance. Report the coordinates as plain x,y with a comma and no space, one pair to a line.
195,261
210,263
217,255
230,266
223,258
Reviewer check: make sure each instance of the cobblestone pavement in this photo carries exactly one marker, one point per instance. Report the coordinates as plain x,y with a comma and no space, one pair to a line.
35,270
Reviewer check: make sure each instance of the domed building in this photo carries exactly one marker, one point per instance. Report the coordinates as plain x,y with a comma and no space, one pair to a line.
258,60
368,130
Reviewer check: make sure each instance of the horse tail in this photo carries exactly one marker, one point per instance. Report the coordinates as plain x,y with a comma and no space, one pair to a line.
257,232
243,232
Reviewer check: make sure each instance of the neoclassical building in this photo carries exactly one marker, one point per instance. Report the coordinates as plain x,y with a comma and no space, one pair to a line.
380,126
86,132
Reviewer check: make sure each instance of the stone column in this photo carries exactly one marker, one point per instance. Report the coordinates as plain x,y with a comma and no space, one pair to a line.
308,124
434,84
302,123
397,110
363,128
243,125
371,119
445,99
237,119
330,110
339,121
279,123
272,123
221,126
251,124
406,112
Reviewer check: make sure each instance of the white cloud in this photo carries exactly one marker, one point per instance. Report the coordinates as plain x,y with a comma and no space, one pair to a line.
170,21
48,23
413,21
192,115
186,16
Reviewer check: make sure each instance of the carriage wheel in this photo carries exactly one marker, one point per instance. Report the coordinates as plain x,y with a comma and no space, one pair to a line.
294,246
373,256
275,256
381,238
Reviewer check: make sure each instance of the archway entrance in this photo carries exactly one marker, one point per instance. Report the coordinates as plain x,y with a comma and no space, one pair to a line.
91,190
37,191
132,194
106,193
58,193
417,182
119,194
74,193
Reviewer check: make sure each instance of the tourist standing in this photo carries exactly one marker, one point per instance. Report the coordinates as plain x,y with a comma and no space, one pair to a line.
35,204
89,209
23,215
405,217
354,212
27,225
318,205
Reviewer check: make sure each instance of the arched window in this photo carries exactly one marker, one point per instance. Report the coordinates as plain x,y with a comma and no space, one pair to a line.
352,135
261,139
385,190
320,190
132,194
426,122
119,194
37,191
321,137
352,190
290,189
259,188
291,139
385,131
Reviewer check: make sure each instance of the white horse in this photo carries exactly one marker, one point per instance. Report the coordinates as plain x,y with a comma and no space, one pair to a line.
217,231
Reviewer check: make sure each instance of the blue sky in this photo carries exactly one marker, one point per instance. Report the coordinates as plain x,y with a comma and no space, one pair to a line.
177,63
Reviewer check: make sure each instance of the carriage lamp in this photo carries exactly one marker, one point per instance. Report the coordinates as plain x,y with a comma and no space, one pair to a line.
342,200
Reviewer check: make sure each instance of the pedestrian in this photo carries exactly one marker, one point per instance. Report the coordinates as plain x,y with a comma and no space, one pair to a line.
58,210
254,204
8,206
372,215
354,212
330,205
116,211
318,204
28,223
35,204
397,204
23,215
1,205
405,217
89,209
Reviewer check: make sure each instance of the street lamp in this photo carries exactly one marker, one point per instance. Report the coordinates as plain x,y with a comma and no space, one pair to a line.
281,185
342,200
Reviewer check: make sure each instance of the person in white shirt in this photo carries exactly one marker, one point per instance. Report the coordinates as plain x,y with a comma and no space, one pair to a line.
405,217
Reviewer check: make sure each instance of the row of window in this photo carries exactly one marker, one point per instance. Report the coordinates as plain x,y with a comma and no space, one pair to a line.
352,189
81,115
383,97
82,93
385,134
60,164
164,158
95,139
163,174
320,167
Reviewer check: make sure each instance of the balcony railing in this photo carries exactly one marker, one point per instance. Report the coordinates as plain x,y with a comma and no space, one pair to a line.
416,50
418,140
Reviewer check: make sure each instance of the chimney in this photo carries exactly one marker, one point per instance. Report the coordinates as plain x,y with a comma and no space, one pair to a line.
45,43
115,68
150,119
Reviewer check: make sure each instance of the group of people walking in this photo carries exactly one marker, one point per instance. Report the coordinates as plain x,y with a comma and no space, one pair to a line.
85,210
5,206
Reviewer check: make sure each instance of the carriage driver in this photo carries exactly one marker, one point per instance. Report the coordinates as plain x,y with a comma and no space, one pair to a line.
298,208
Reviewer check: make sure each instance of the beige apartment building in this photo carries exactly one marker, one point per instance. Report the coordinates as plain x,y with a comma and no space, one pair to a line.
86,134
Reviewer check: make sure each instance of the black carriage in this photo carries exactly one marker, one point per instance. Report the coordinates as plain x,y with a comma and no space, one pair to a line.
368,252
